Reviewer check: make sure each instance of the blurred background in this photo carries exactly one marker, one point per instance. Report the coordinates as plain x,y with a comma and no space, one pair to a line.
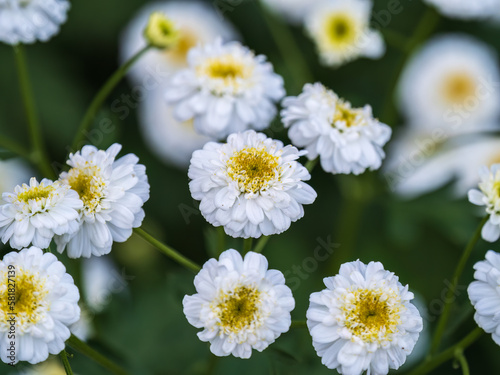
133,306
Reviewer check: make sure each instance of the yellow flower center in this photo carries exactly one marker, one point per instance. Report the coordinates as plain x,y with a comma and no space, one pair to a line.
89,185
457,87
347,115
341,29
178,52
227,72
36,193
253,169
372,314
161,31
238,309
23,294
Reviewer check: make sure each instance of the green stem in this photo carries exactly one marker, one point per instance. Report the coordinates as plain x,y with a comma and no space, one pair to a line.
168,251
64,359
289,50
247,245
459,355
37,143
443,319
448,354
311,164
102,95
221,240
425,27
14,147
261,244
298,324
97,357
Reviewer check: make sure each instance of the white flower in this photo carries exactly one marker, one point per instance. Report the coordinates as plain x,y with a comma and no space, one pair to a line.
197,22
173,141
113,193
489,196
464,9
363,321
347,140
226,89
341,31
52,366
484,293
35,213
46,304
13,172
252,185
418,164
450,85
26,21
240,304
293,10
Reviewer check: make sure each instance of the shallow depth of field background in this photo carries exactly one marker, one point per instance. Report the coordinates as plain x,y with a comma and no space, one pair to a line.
143,327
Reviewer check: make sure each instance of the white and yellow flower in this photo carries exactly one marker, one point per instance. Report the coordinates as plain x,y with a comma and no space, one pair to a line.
226,89
484,294
346,139
36,288
341,31
35,213
489,195
363,321
252,185
113,192
26,21
240,304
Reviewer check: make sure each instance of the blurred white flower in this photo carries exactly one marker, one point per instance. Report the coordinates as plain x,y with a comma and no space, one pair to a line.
466,9
489,196
240,304
484,294
341,31
46,305
26,21
416,166
226,89
347,140
197,22
113,193
363,321
37,212
451,85
13,172
252,185
293,10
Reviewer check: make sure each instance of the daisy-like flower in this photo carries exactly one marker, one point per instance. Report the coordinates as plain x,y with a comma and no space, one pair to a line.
347,140
451,85
341,31
240,304
467,10
489,195
196,23
35,213
113,193
225,89
363,321
252,185
293,10
39,301
485,294
26,21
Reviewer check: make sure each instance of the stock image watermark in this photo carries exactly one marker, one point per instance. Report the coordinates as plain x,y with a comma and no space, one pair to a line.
12,314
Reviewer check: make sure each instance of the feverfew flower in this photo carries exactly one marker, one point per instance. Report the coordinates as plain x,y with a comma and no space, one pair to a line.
347,140
467,10
252,185
46,304
197,23
341,31
225,89
450,86
363,321
484,294
240,304
489,196
113,193
26,21
35,213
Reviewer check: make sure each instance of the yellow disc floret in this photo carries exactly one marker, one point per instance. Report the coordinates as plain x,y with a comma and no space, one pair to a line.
253,169
36,193
458,87
238,309
341,30
372,315
89,184
347,116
